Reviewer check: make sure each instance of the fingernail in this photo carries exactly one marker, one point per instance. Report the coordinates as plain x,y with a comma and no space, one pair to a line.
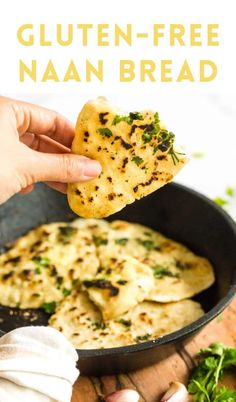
92,168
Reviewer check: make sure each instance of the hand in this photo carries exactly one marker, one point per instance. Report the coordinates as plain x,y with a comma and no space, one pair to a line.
35,146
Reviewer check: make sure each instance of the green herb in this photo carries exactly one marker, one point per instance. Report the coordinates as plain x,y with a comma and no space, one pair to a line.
122,241
137,160
99,241
41,261
230,191
38,270
66,292
198,155
203,382
49,307
105,132
98,325
148,244
128,119
67,231
159,272
126,323
156,117
220,201
142,338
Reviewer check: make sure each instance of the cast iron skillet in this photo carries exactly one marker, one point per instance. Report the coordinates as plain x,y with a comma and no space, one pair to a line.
176,211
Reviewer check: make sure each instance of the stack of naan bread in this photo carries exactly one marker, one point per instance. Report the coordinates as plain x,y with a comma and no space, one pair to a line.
110,284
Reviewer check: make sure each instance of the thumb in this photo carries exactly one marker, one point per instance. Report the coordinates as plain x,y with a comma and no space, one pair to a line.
64,168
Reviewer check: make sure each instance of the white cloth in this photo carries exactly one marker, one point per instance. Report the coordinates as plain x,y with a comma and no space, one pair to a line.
37,364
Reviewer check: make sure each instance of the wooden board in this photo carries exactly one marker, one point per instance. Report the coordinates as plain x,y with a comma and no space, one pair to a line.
153,381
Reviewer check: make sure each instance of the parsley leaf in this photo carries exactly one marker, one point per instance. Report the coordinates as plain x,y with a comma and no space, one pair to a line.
148,244
122,241
204,379
220,201
105,132
137,160
49,307
159,272
41,261
128,119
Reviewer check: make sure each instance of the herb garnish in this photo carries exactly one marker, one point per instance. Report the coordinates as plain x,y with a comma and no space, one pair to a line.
67,231
38,270
148,244
159,272
49,307
141,338
98,325
41,261
122,241
220,201
203,382
128,119
105,132
137,160
230,191
126,323
99,241
66,292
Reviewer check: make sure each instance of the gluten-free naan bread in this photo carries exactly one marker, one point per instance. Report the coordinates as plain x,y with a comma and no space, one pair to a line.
44,265
81,322
136,153
179,273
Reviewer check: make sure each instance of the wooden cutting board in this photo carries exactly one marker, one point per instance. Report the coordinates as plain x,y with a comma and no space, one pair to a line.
153,381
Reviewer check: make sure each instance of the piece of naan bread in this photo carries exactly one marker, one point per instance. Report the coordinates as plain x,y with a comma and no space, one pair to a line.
81,322
178,272
44,265
136,153
120,284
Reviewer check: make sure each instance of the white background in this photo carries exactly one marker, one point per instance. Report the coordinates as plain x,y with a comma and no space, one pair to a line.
203,117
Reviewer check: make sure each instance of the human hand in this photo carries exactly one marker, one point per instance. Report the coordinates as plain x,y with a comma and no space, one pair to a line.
35,146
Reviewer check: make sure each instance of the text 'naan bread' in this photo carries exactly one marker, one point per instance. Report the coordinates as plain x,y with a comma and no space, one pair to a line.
136,153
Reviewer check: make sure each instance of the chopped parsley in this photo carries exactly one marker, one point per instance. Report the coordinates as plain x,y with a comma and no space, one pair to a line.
67,231
160,272
137,160
49,308
41,261
203,383
142,338
99,241
122,241
148,244
126,323
105,132
220,201
66,292
128,119
98,325
38,270
229,191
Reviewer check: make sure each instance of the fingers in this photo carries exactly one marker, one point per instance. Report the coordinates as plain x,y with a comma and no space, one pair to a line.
63,168
61,187
42,143
27,189
42,121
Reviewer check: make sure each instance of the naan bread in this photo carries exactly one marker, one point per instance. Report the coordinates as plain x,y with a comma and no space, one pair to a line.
120,284
45,264
135,151
81,322
179,273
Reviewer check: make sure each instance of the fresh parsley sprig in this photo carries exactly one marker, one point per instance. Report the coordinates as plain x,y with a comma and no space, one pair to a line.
203,383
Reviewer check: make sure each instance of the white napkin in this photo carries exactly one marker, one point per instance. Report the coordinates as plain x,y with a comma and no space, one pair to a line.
37,364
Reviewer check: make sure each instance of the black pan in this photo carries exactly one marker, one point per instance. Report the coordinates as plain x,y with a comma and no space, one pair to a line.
176,211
